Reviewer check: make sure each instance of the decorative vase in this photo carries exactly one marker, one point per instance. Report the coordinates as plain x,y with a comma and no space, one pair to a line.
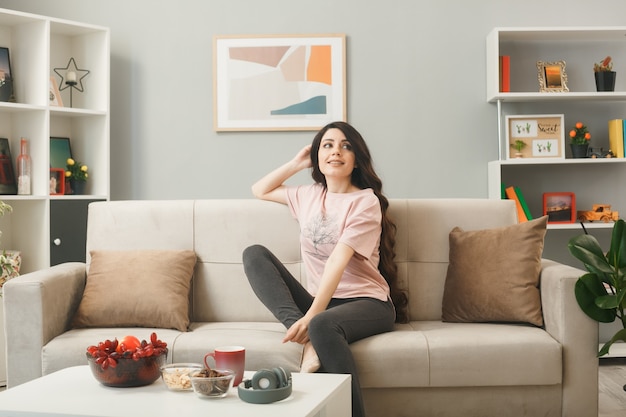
605,80
579,151
77,187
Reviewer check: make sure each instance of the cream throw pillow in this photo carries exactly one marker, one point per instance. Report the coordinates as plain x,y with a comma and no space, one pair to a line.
148,288
493,275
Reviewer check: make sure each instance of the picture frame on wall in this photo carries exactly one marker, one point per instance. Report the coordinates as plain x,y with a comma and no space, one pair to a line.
535,136
278,82
6,76
8,185
54,95
560,207
552,77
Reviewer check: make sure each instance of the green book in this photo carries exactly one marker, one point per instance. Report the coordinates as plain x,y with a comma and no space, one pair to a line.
522,201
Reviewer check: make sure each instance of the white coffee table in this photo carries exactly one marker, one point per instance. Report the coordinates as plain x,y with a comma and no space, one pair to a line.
74,392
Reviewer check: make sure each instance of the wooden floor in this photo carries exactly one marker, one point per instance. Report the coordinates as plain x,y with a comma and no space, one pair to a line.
611,380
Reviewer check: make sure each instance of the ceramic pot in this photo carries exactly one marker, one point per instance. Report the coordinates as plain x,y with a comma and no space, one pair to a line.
78,187
579,151
605,80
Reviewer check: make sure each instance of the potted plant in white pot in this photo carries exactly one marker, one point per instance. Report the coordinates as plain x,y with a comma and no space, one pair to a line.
10,261
601,293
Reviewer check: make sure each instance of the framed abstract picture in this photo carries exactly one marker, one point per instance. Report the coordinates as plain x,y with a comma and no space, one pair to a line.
278,82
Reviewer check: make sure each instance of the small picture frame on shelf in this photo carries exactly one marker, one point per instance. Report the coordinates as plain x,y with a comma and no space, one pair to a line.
6,76
57,181
552,77
60,151
7,175
535,136
54,95
560,207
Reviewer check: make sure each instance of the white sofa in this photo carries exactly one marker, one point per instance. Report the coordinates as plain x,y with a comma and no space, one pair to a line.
426,367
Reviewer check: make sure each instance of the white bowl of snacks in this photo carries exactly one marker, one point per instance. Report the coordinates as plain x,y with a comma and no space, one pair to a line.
177,376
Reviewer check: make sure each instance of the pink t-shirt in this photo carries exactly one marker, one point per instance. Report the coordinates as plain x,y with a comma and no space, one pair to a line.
329,218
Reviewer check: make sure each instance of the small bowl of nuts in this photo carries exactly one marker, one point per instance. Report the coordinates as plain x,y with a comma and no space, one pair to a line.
212,383
177,376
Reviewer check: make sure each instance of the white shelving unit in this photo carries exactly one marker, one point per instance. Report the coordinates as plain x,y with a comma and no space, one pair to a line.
592,180
37,45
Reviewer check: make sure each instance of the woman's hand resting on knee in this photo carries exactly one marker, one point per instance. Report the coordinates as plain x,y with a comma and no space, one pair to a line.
298,332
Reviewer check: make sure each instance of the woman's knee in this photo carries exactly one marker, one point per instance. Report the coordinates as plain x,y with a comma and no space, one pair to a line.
254,252
322,325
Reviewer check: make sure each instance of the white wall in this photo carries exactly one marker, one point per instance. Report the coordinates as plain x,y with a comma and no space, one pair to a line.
416,87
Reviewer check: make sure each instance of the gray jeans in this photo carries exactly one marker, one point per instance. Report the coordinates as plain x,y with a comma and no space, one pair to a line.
344,321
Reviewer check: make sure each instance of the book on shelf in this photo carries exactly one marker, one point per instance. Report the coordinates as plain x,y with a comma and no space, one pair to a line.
505,73
616,137
624,135
523,203
511,194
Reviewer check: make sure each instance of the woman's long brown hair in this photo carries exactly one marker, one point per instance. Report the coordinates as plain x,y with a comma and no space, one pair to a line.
364,177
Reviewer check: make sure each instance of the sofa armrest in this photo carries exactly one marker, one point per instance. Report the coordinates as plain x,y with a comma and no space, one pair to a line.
578,335
38,306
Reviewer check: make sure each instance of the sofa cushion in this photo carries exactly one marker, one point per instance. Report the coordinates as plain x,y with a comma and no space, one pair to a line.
493,274
438,354
394,359
491,354
263,343
143,288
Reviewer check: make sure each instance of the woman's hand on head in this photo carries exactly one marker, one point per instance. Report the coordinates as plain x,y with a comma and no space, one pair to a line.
303,158
271,187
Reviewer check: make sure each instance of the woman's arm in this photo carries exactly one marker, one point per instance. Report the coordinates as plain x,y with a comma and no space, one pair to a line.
333,270
270,187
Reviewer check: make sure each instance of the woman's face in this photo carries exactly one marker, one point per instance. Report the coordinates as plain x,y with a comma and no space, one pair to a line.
335,156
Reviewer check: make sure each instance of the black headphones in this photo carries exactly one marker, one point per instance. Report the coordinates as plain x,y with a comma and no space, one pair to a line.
266,386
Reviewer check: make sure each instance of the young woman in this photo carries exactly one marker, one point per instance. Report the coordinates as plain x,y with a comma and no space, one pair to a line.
347,245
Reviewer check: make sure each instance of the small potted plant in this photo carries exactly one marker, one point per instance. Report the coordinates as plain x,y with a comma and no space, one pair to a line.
580,138
76,175
604,74
10,261
518,145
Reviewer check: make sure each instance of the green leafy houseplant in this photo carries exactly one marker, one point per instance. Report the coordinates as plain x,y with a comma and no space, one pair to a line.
601,293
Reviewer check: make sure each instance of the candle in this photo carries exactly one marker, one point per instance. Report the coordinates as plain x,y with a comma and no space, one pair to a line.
70,77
